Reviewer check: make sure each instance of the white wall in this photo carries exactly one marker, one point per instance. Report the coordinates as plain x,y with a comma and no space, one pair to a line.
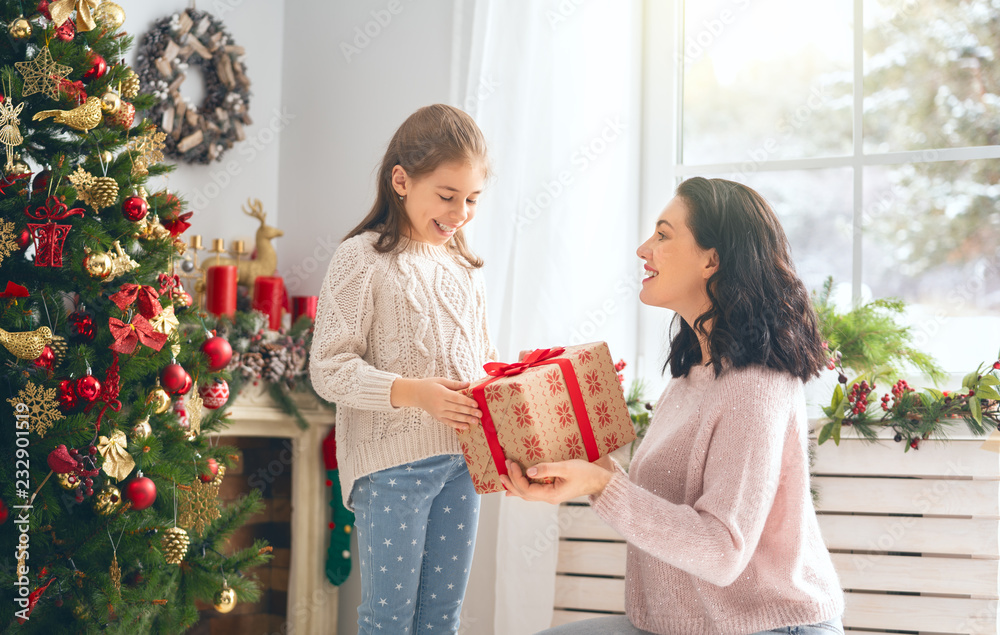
216,192
348,94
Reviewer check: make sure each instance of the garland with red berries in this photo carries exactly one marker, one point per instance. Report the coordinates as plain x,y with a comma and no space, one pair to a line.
913,415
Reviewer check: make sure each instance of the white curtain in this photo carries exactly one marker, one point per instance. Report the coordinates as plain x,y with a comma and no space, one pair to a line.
554,84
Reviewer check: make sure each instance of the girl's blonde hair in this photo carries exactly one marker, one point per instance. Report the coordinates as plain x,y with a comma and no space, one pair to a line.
430,137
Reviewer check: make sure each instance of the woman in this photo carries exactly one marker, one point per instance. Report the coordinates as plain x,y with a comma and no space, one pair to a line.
722,534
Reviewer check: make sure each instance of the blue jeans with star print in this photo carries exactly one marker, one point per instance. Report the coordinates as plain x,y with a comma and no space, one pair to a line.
416,527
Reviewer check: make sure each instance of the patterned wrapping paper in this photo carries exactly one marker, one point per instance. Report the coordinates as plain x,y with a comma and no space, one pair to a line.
534,416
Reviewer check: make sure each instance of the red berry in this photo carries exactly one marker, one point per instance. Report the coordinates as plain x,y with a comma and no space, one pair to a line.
915,444
996,365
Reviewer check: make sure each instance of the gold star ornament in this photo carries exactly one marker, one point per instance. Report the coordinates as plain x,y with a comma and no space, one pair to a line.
42,74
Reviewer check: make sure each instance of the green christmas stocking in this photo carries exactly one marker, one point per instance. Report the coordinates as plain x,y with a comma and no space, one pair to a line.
338,556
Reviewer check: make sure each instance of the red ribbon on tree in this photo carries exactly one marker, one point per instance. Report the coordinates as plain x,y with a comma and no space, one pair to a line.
147,296
178,224
128,336
168,282
109,391
538,357
50,237
14,290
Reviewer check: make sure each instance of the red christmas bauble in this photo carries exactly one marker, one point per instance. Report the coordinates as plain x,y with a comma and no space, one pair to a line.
47,359
141,491
87,387
98,67
43,8
24,239
82,325
67,395
213,471
4,512
135,208
188,384
40,184
218,351
174,377
215,395
124,117
182,415
67,31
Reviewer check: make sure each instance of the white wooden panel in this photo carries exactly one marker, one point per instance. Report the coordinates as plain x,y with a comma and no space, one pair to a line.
568,617
593,594
583,522
947,576
934,458
953,536
920,613
936,497
591,558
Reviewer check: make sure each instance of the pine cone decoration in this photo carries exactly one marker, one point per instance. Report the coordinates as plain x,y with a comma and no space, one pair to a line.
175,545
104,192
276,361
251,365
130,87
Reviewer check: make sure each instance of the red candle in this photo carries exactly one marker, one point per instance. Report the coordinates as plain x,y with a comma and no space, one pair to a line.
304,305
220,290
269,299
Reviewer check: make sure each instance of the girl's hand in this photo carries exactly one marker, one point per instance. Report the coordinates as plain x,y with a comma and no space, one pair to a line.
439,398
571,479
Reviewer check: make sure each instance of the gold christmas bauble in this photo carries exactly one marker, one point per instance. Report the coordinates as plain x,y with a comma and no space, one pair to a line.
104,192
225,599
141,430
160,400
130,86
110,14
108,500
67,481
111,102
107,157
98,265
175,545
20,28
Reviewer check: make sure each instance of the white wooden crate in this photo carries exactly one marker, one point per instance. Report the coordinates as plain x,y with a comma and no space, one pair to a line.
915,536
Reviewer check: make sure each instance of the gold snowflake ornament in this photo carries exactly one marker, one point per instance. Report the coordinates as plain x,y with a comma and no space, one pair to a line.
41,406
7,243
150,148
199,504
42,74
83,181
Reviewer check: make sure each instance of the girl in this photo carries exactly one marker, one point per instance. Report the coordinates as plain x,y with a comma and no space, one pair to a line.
722,534
400,328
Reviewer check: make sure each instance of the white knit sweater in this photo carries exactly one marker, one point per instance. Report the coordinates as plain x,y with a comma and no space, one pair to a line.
417,312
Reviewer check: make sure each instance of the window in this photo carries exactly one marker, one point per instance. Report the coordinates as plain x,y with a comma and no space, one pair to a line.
879,149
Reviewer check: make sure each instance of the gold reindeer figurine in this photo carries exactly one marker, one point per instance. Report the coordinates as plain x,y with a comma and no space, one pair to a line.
266,262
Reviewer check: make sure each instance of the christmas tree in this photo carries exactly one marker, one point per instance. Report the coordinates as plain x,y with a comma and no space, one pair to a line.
108,511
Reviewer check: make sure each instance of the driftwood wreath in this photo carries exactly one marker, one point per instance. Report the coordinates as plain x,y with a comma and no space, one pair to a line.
196,133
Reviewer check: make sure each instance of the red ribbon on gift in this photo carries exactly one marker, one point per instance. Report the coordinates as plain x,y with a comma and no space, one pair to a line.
147,296
50,237
538,357
127,336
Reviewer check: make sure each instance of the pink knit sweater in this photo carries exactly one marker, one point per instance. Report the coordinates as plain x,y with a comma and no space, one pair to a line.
722,534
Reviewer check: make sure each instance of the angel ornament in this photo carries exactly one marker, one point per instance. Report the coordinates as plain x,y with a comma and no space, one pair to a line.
10,135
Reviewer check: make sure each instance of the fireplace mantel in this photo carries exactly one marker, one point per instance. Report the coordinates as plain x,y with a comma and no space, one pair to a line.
312,600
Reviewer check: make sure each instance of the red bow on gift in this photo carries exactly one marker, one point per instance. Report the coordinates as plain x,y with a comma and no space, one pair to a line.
177,225
535,357
127,336
147,296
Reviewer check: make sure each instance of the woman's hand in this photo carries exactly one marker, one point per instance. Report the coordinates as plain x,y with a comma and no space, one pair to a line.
439,398
570,479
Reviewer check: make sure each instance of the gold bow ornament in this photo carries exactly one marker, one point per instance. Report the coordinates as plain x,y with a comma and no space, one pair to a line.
118,463
60,10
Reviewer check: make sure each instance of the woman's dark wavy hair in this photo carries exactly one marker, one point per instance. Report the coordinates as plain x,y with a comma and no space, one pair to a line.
761,312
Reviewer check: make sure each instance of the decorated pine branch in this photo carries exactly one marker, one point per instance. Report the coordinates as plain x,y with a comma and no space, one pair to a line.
108,497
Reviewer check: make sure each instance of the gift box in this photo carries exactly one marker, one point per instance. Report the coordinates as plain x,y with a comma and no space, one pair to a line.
555,405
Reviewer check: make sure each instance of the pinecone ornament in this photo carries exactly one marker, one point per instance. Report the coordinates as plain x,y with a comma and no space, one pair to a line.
130,87
251,365
104,192
276,360
175,545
